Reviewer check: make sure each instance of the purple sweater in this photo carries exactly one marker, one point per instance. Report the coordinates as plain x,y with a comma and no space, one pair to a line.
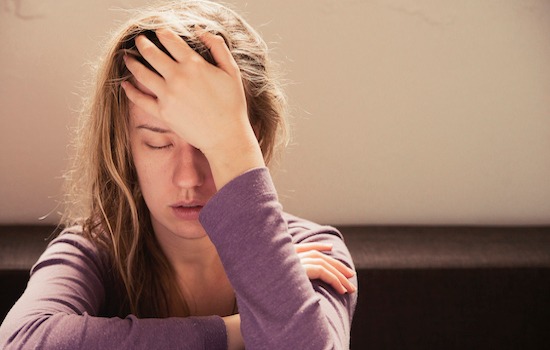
69,303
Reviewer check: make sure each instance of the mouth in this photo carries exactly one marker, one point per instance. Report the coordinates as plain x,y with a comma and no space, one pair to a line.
186,206
189,211
192,204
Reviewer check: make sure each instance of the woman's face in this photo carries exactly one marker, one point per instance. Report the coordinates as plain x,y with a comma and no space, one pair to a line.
174,177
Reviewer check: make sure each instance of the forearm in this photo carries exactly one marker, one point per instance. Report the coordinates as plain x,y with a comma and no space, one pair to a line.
73,331
278,306
64,307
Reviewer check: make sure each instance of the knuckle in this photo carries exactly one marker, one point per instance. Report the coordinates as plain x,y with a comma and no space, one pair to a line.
318,260
147,50
316,269
195,59
193,64
217,39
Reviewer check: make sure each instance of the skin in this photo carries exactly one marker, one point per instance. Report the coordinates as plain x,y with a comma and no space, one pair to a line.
190,135
173,174
184,101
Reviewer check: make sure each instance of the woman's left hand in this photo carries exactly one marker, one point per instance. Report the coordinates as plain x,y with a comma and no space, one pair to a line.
324,267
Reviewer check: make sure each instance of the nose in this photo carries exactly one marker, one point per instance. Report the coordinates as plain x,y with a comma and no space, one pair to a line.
190,167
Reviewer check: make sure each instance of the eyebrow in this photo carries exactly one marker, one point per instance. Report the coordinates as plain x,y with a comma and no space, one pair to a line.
153,128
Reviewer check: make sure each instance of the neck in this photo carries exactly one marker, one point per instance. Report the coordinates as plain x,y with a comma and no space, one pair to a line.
199,273
187,251
195,253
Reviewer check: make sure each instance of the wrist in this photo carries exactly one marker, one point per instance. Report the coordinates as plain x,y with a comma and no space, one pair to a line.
233,329
233,159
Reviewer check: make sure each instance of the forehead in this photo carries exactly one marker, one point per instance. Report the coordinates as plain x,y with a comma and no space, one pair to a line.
141,120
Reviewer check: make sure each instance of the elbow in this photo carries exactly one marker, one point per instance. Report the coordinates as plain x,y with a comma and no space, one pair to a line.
337,340
16,334
25,333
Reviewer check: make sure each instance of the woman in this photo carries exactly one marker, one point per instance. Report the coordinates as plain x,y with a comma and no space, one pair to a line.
175,235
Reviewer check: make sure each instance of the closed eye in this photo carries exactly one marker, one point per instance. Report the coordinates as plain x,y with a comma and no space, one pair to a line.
158,147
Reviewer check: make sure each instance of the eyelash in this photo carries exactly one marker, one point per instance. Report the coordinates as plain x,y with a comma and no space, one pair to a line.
158,148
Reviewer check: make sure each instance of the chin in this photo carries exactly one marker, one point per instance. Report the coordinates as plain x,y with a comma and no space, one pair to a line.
189,230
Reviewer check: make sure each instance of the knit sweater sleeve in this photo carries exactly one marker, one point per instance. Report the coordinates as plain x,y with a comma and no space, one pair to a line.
279,307
63,303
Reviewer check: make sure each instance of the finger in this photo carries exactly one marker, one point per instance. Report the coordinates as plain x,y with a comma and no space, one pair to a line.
178,48
144,75
304,247
318,272
154,55
325,264
220,53
330,270
341,267
146,102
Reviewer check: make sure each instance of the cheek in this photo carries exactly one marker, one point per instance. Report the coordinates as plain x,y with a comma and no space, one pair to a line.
138,160
148,172
151,184
142,173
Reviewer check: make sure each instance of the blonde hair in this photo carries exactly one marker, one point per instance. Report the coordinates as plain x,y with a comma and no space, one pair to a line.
103,194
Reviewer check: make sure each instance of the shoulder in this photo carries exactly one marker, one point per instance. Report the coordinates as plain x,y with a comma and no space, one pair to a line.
81,264
74,238
303,230
72,247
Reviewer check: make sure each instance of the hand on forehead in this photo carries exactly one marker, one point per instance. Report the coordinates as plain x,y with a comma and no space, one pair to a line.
139,116
143,88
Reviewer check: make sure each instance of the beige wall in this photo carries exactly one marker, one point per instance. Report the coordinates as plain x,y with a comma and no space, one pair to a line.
404,112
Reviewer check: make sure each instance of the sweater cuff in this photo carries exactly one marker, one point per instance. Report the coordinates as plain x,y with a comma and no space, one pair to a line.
236,194
213,330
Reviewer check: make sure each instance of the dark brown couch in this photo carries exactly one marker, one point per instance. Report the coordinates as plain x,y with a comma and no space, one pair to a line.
419,287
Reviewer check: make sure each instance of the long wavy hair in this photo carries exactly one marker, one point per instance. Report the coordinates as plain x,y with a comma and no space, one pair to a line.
102,191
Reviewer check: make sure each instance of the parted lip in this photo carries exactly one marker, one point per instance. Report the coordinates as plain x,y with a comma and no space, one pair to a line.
187,204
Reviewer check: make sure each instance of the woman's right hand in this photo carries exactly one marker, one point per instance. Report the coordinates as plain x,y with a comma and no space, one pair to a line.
203,104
